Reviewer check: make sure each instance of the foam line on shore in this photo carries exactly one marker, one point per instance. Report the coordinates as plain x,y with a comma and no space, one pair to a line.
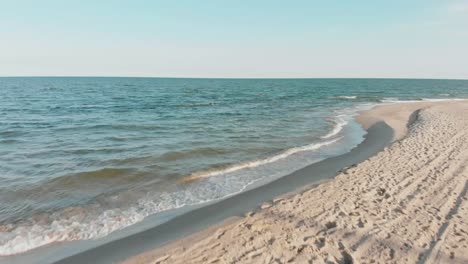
339,124
256,163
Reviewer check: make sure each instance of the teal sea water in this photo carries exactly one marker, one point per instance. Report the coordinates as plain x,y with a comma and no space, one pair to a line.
83,157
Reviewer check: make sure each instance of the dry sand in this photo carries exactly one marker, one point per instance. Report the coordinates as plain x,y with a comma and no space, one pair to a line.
407,204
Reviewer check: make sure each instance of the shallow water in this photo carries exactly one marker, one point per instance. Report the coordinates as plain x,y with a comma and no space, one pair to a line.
82,157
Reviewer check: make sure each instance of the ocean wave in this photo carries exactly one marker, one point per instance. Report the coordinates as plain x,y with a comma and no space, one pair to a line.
200,104
170,156
67,225
346,97
389,100
129,127
10,133
94,221
85,182
105,173
340,122
256,163
8,141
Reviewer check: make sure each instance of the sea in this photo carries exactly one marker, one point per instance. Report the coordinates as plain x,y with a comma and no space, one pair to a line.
82,157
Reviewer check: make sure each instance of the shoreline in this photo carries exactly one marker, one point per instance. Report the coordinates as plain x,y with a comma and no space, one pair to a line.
233,207
379,135
64,250
212,216
359,216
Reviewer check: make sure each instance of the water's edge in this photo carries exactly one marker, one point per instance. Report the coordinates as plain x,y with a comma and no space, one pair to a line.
377,138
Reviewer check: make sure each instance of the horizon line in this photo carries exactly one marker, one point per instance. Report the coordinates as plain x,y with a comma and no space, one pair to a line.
226,78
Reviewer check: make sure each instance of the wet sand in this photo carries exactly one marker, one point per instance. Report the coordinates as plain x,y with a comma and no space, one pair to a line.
407,204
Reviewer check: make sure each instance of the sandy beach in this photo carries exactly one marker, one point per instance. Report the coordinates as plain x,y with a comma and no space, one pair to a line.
166,132
407,204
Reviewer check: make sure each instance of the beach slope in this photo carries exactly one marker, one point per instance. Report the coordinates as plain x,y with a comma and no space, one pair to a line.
407,204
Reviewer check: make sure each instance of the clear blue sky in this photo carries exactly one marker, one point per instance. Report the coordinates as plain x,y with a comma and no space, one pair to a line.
400,38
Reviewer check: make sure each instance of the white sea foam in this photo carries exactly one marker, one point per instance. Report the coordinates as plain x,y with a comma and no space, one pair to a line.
347,96
256,163
82,224
340,122
442,99
390,100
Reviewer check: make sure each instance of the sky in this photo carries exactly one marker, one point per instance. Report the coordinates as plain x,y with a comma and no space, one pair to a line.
235,39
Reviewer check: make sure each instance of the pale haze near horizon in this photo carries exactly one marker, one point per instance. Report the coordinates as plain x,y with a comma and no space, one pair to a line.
245,39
